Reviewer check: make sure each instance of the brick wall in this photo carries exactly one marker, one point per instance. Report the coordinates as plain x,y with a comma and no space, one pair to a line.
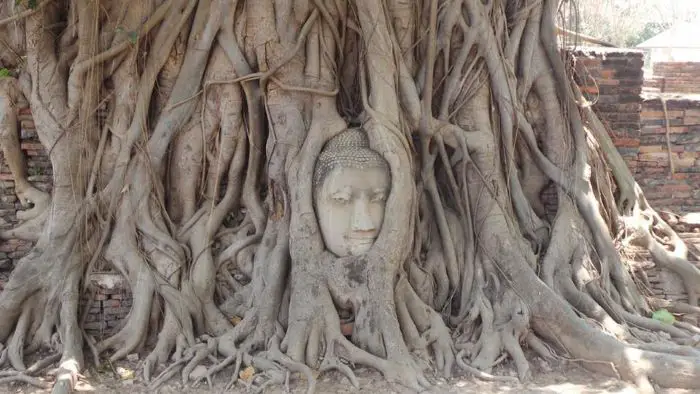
108,301
612,79
677,191
111,298
39,171
677,77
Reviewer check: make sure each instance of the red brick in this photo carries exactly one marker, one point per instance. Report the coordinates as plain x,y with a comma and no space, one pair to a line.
681,187
608,82
678,129
683,195
111,303
29,146
684,162
626,142
653,156
651,148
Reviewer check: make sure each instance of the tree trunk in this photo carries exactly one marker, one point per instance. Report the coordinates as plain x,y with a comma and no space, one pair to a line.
201,179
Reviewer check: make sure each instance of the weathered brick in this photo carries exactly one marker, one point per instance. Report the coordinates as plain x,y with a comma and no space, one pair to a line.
95,325
653,156
684,162
99,297
111,303
626,142
651,148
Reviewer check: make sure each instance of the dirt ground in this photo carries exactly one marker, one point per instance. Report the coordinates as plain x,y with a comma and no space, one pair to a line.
565,378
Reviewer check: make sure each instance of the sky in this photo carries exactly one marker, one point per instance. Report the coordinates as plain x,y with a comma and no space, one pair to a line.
627,22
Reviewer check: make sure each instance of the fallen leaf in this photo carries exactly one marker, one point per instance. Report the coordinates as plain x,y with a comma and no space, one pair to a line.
247,374
125,373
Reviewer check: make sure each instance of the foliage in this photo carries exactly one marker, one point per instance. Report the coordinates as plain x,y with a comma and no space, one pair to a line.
627,23
663,315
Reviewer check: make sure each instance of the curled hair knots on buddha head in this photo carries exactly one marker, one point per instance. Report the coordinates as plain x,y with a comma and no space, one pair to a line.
349,149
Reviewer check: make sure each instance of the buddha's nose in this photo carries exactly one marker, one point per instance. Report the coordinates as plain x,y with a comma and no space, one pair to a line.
361,219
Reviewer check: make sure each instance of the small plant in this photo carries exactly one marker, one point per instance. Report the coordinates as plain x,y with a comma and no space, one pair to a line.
663,316
30,3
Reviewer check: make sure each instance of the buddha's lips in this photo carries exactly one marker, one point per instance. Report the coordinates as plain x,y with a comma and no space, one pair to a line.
361,240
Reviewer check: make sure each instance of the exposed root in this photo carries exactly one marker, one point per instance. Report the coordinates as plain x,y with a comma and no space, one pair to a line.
510,326
199,355
28,230
646,228
169,372
293,366
66,377
216,106
31,380
478,373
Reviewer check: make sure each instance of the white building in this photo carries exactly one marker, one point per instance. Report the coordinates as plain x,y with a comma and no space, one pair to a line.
680,43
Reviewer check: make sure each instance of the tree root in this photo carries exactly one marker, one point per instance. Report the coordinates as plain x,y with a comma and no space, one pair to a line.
317,336
632,364
29,230
424,328
66,377
31,380
643,225
453,245
481,374
510,326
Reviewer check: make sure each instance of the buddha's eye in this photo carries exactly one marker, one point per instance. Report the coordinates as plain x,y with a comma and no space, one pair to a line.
341,198
379,197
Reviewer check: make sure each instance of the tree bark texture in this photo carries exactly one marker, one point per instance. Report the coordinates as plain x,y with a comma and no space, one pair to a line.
195,184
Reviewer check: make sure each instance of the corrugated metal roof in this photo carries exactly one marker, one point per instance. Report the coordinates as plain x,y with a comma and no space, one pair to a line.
682,35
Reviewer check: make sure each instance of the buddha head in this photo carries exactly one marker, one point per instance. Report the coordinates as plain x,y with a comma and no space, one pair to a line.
350,185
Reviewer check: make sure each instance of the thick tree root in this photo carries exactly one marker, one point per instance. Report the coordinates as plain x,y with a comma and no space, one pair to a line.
231,104
481,374
31,380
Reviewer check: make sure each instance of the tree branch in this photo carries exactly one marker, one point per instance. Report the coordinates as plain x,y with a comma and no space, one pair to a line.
157,16
25,13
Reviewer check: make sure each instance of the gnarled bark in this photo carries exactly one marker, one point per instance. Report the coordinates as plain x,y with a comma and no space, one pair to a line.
196,186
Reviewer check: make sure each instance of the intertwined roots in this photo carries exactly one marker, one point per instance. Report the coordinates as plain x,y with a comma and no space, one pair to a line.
193,181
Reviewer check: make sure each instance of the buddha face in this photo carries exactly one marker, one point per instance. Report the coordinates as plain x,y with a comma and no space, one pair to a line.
350,207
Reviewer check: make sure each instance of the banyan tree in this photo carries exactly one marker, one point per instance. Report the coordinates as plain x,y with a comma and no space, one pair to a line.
301,186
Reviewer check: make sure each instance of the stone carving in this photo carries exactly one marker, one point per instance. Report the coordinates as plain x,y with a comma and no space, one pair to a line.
350,185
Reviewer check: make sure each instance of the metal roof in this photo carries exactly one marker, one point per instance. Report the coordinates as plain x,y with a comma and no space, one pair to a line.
682,35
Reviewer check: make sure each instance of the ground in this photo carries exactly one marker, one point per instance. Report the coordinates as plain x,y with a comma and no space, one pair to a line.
564,378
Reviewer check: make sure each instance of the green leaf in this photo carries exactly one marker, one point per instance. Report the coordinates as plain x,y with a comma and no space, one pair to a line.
18,2
133,37
663,316
31,4
119,29
4,72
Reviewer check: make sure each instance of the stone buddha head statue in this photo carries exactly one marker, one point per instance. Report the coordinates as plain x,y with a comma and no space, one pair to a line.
350,185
